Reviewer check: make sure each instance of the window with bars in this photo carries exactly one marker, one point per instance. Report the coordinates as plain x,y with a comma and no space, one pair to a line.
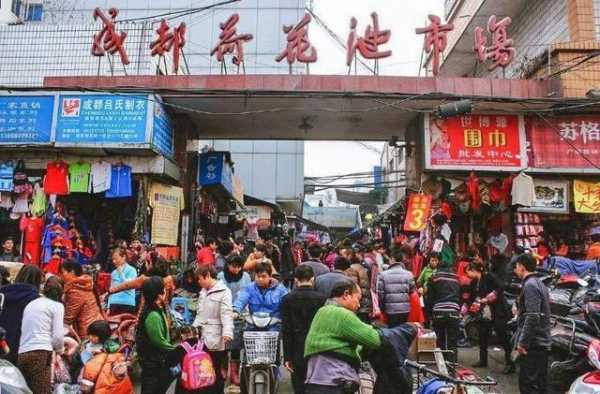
28,11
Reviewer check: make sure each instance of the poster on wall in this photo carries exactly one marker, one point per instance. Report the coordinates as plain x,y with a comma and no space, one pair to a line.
569,143
551,196
586,196
475,142
417,212
167,203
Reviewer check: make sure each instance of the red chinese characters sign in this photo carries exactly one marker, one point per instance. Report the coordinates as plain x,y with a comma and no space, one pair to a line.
475,142
564,142
417,212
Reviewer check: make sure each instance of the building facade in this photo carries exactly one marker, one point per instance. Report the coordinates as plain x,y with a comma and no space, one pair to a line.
555,40
55,39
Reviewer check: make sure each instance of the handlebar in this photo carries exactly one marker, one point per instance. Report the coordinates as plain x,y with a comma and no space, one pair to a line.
423,369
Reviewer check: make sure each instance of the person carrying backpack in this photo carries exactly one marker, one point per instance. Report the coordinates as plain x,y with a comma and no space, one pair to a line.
215,319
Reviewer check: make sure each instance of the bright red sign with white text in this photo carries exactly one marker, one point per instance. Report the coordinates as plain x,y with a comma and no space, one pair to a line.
417,212
475,142
564,142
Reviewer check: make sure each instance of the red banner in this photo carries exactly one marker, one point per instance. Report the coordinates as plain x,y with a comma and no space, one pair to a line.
562,142
417,212
475,142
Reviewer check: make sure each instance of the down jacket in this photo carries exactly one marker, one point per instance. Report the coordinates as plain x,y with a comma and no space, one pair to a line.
360,274
81,305
393,289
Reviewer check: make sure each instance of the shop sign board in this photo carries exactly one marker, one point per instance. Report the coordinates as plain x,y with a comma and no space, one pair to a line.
475,142
162,130
417,212
26,119
565,143
551,196
102,119
586,196
214,169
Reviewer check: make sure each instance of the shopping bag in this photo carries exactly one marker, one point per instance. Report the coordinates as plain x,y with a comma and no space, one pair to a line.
416,314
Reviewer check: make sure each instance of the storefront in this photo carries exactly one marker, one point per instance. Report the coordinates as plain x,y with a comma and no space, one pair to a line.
497,193
78,172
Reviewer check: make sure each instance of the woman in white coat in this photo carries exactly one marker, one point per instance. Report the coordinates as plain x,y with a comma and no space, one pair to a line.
215,319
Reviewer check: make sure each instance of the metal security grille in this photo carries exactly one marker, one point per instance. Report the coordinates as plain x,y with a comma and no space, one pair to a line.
30,52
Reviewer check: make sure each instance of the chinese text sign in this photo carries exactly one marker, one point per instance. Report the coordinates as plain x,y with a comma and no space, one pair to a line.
26,119
162,134
562,142
475,142
417,212
96,119
586,197
214,170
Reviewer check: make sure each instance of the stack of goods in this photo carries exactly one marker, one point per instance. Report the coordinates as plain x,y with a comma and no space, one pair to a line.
528,228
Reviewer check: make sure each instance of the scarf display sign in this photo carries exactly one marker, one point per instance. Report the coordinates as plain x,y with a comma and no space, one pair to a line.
417,212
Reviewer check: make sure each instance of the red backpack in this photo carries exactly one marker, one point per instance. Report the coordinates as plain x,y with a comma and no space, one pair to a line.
197,369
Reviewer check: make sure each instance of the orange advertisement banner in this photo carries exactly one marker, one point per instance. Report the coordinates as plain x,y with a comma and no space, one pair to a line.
417,212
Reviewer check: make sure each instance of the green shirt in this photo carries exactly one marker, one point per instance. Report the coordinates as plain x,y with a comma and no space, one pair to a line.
79,177
336,329
157,330
425,275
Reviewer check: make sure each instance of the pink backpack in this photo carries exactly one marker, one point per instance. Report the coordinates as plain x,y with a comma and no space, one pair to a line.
197,370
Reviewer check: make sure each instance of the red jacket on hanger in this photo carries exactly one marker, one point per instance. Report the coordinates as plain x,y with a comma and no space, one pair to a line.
56,180
32,228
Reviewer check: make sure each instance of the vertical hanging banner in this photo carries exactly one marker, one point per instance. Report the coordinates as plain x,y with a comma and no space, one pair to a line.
475,142
417,212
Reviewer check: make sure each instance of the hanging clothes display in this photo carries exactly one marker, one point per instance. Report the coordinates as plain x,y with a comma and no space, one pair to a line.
21,204
79,177
120,182
523,190
39,202
56,180
32,228
473,188
252,229
20,180
7,170
101,174
6,200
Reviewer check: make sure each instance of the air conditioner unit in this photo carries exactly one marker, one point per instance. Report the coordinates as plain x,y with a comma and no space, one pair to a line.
7,17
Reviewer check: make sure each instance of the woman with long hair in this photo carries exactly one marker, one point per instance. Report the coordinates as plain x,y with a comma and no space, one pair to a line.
153,338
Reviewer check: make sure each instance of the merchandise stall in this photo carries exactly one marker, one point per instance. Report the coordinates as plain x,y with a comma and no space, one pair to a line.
76,170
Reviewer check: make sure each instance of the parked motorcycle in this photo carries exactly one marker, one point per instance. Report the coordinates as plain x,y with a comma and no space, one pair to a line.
259,357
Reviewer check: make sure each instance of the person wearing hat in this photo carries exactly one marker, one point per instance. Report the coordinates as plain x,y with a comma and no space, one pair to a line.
594,250
153,338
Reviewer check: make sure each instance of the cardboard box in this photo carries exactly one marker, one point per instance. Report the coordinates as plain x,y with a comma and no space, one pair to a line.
426,341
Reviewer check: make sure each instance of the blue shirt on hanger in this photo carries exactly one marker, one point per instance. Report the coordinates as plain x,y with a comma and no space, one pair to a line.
120,182
7,172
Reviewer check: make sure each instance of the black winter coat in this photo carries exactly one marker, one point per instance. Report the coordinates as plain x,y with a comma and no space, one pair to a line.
487,284
443,286
298,309
534,315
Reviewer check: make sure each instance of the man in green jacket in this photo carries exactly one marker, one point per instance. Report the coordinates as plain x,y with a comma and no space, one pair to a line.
334,342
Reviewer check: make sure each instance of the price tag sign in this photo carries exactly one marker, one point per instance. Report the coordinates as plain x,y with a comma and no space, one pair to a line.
417,212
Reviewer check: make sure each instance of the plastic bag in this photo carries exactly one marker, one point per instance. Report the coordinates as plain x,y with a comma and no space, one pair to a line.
416,314
64,388
12,380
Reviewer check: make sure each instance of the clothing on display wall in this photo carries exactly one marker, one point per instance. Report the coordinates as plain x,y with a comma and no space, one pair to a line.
56,180
121,182
523,190
101,176
79,177
7,170
32,228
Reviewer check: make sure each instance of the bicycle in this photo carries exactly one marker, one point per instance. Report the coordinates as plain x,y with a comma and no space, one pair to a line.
467,384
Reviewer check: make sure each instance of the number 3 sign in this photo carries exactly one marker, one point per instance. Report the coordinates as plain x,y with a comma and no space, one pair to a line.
417,212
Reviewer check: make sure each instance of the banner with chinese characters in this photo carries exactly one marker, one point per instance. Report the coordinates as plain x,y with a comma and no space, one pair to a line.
586,196
417,212
167,203
475,142
214,168
566,143
26,119
551,196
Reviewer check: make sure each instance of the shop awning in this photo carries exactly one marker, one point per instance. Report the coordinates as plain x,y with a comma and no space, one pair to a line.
395,208
309,223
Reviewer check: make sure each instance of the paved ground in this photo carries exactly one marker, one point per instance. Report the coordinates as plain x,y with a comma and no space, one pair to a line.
467,356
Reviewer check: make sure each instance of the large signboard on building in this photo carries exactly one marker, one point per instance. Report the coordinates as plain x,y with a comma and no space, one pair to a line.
162,130
26,119
214,169
475,142
564,143
102,119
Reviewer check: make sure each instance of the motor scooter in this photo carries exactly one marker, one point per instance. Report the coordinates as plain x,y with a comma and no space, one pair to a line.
259,356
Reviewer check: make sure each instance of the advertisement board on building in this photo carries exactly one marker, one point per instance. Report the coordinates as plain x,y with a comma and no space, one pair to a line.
564,143
551,196
26,119
214,169
162,130
586,196
475,142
